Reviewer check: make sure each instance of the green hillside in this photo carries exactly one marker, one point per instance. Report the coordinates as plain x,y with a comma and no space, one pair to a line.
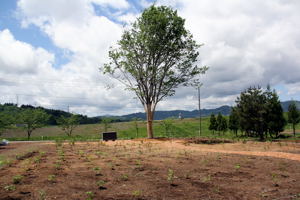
126,130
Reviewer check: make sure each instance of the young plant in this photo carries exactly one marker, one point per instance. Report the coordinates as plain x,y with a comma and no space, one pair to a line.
137,193
42,153
97,170
81,153
10,187
171,176
17,179
37,159
124,177
4,161
90,195
101,184
206,178
42,195
237,166
275,179
57,165
51,178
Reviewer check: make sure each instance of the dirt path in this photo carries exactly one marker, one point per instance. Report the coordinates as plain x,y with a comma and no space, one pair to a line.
206,148
290,156
231,148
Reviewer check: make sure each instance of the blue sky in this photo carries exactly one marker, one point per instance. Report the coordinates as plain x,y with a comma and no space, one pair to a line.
51,50
31,34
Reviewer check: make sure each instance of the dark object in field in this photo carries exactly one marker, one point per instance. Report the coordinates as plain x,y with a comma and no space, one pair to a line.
109,136
102,188
4,142
207,141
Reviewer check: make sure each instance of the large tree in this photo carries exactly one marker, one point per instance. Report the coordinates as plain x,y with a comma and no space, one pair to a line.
274,113
68,124
293,116
32,119
154,57
6,121
260,112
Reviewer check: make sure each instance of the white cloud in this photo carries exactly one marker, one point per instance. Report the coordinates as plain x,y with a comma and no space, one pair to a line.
18,57
42,13
246,43
128,18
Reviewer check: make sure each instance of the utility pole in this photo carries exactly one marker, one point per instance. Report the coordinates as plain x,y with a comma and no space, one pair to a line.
199,108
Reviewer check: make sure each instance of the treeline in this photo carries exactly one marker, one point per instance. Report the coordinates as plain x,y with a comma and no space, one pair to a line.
258,113
13,110
29,118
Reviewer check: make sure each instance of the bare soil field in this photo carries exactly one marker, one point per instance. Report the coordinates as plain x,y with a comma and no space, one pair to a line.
150,169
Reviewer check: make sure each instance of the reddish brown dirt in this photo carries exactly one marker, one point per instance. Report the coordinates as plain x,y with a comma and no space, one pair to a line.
140,170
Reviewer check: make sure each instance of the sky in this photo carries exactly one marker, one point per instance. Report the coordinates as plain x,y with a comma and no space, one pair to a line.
51,52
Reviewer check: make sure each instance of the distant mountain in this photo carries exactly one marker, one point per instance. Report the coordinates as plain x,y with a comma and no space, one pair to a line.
224,110
285,105
159,115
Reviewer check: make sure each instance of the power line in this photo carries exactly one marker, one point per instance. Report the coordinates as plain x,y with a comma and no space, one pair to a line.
55,97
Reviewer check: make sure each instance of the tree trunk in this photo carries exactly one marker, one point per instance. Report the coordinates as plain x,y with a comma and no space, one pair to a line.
150,115
294,130
28,135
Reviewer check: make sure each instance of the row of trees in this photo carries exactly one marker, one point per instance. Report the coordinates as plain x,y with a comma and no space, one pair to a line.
258,113
54,114
218,124
31,119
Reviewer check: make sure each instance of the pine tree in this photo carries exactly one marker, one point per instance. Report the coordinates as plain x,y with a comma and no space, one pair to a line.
234,123
219,123
251,109
293,116
213,123
274,113
224,125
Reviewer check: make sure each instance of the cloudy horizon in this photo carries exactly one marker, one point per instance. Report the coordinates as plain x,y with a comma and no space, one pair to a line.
51,51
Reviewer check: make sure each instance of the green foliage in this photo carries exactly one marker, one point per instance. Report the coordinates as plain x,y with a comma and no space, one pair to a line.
106,121
274,113
32,119
90,195
168,126
10,187
171,176
181,128
135,122
260,112
124,177
101,183
17,179
221,124
293,116
42,194
154,57
224,125
137,193
213,123
51,178
68,124
6,121
234,123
